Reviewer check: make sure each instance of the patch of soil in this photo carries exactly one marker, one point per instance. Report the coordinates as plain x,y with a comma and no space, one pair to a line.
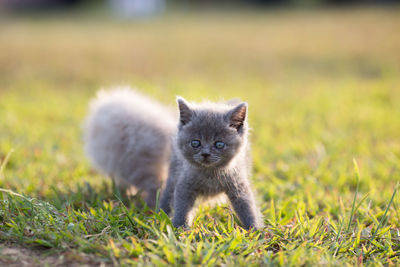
15,255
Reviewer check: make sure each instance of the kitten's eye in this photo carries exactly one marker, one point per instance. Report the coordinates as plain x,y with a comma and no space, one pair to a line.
219,144
195,143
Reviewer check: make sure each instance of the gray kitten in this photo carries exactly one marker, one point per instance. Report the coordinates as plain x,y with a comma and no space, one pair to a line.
210,156
134,140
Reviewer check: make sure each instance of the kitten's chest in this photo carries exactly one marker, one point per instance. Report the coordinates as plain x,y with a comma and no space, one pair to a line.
209,184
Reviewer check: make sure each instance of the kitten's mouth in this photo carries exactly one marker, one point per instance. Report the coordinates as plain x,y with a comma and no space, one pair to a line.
206,162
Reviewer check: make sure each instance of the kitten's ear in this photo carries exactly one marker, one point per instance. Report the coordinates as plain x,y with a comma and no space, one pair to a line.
237,116
185,113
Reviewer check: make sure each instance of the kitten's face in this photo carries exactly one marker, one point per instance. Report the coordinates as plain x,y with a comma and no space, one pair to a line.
211,139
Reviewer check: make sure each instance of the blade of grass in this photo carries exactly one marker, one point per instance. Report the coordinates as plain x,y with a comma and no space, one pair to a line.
157,201
383,219
353,205
361,201
126,210
339,230
4,163
15,194
337,238
355,195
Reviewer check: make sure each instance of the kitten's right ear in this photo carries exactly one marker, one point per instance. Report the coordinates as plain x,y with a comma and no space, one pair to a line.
185,113
237,116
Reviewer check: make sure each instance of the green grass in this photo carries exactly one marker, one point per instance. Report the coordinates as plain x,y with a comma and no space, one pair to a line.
323,88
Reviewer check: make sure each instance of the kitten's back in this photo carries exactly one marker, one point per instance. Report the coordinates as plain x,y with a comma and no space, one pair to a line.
128,137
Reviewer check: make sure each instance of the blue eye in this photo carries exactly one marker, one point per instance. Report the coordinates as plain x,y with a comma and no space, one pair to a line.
195,143
219,145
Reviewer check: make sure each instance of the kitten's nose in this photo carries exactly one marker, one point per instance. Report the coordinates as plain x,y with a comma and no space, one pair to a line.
205,154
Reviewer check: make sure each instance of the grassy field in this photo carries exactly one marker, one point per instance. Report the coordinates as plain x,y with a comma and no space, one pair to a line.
323,88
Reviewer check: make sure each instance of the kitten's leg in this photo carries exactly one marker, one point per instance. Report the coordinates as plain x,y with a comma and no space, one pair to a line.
184,198
148,184
167,196
242,200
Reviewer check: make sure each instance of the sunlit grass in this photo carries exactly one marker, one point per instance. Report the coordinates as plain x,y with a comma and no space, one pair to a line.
324,98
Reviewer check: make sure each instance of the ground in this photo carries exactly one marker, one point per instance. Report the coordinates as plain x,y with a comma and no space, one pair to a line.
323,88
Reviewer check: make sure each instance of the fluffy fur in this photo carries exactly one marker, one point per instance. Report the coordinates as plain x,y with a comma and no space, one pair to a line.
134,139
202,169
128,137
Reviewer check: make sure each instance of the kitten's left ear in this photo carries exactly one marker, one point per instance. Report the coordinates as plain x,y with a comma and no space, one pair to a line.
237,116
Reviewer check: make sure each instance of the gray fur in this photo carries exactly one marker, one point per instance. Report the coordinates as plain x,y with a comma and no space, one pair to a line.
133,139
128,137
192,175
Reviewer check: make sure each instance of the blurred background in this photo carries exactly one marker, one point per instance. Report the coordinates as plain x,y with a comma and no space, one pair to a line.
151,7
321,78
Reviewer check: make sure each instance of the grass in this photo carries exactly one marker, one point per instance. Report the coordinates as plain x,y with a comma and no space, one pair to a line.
324,97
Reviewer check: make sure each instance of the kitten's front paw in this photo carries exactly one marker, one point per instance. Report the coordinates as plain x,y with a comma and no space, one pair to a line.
177,222
257,225
165,208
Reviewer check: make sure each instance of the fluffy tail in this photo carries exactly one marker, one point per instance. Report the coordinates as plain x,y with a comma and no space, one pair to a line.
128,137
